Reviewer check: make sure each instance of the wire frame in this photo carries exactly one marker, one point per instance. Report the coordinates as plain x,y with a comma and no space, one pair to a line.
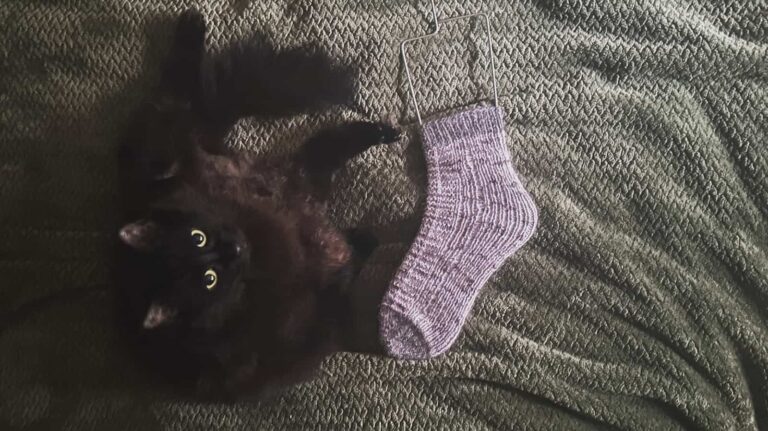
436,30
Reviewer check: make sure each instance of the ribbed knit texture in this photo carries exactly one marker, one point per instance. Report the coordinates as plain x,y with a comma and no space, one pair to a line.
477,215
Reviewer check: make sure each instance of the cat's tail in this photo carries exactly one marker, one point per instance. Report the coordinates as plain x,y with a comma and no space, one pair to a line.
254,79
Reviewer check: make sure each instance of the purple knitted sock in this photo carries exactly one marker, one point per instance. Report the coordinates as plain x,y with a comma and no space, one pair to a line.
477,215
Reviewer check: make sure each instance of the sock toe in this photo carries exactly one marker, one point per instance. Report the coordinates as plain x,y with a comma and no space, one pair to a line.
402,337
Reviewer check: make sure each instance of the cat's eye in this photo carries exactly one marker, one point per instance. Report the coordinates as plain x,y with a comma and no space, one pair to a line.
199,238
210,279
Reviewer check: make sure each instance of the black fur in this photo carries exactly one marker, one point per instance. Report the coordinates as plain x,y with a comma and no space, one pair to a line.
195,213
244,77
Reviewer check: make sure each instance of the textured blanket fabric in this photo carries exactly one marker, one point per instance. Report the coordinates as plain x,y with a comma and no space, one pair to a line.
640,127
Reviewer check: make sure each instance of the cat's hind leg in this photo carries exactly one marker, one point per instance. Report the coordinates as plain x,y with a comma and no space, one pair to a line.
180,82
159,134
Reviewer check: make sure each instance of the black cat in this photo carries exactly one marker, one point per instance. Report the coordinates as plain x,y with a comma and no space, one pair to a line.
232,277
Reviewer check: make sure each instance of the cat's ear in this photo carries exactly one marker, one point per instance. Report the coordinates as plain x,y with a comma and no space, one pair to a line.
141,234
158,315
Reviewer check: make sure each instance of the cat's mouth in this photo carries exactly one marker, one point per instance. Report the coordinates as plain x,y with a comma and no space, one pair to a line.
158,315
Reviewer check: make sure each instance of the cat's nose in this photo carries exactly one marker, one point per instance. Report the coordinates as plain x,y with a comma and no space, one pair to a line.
234,251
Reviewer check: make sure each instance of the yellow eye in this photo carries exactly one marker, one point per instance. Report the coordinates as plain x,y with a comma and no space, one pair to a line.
199,238
210,279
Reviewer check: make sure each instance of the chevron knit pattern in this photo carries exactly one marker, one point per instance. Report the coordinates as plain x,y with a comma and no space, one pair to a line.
640,127
477,215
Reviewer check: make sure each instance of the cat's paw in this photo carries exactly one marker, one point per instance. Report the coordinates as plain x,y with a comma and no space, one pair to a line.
388,134
363,241
190,28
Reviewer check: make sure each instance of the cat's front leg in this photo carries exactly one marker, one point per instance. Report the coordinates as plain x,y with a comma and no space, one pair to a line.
253,78
329,150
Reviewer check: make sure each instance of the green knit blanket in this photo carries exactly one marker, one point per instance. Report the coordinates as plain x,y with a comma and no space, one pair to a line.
639,126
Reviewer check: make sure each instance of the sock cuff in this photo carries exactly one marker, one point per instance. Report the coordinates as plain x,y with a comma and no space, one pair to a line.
483,120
